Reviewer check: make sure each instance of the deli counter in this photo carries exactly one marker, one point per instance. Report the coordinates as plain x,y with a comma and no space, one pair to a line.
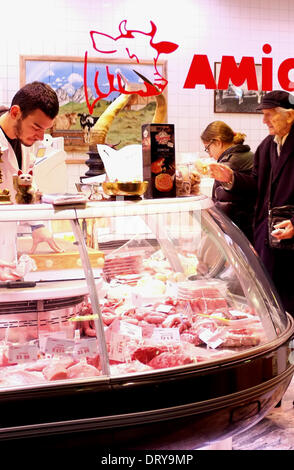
156,327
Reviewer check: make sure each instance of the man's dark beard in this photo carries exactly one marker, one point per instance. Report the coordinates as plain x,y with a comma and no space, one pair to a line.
18,132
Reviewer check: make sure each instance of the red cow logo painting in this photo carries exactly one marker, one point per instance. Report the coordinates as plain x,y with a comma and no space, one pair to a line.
125,45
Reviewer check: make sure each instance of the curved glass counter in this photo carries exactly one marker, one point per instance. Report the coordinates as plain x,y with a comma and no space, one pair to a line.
145,294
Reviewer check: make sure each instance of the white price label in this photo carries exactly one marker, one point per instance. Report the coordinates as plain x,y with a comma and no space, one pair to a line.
87,347
166,334
59,347
164,308
212,339
43,338
117,351
23,353
129,329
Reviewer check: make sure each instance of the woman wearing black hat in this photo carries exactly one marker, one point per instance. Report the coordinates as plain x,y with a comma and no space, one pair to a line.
271,180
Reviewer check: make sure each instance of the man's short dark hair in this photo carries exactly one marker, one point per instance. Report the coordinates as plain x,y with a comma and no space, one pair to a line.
36,95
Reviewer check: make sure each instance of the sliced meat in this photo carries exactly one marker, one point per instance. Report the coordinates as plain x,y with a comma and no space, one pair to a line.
169,359
237,340
55,371
39,365
145,354
191,337
129,368
82,370
21,377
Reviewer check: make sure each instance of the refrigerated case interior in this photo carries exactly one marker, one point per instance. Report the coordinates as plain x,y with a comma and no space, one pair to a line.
172,287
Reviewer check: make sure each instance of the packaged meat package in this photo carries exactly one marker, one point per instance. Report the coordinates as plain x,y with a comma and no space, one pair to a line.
208,289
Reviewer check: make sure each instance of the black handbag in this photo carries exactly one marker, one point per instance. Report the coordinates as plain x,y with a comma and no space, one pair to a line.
275,216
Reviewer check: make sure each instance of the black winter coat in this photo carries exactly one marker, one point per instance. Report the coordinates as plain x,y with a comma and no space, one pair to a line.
279,263
238,207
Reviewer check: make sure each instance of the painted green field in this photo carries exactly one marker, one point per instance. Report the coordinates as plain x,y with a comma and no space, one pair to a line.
125,128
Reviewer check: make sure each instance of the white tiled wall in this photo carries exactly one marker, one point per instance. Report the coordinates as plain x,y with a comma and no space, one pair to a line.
212,27
73,175
75,169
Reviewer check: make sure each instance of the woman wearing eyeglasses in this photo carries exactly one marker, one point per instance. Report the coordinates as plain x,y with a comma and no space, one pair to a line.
226,146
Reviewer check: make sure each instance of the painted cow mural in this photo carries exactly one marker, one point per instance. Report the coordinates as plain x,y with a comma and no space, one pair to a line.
126,45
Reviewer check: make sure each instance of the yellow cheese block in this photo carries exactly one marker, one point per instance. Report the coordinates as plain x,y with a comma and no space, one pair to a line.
46,259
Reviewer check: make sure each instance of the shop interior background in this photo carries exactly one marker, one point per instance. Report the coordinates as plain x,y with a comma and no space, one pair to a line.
211,27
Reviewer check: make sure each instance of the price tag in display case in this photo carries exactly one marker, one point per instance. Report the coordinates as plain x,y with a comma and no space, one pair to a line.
212,339
128,329
22,353
118,348
166,334
59,347
164,308
85,348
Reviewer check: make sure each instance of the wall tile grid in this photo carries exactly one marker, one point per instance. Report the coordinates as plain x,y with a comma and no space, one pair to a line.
211,27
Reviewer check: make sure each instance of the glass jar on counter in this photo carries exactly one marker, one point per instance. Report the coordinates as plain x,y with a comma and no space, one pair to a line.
187,180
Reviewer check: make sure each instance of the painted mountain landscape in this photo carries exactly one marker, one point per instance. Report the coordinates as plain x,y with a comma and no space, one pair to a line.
67,79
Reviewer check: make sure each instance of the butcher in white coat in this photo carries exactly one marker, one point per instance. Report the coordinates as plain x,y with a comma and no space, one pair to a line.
32,111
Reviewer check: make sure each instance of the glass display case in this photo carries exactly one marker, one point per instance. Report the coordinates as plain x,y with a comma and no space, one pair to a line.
155,312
